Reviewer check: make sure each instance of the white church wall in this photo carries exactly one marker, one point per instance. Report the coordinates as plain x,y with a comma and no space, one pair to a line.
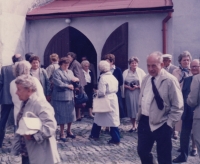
145,32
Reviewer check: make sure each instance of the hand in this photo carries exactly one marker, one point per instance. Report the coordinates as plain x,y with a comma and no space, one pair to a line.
75,79
28,137
132,89
83,105
127,86
71,87
136,86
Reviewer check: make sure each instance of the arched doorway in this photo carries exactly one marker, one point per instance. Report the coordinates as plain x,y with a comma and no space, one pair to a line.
70,39
117,44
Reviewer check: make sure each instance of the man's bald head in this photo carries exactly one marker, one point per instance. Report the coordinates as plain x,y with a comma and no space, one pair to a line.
154,63
17,58
194,65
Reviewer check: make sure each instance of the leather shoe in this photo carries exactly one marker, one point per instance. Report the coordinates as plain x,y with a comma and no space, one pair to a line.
179,159
71,135
113,142
132,130
193,152
91,137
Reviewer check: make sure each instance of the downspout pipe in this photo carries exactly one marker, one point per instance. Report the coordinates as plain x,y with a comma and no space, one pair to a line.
164,31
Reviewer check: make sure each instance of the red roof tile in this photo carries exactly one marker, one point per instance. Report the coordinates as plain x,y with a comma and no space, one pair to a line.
79,6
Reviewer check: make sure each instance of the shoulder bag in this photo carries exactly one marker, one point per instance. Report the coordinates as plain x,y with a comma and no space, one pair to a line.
101,104
29,125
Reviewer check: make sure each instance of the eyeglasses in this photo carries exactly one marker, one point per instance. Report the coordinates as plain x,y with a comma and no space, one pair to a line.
195,67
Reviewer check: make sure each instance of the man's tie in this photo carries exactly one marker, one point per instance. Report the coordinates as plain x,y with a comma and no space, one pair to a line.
20,114
159,100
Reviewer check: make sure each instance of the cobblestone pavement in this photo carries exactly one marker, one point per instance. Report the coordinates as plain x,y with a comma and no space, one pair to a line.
84,151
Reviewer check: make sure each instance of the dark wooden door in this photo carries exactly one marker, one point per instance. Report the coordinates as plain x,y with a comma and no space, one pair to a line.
59,44
117,44
70,39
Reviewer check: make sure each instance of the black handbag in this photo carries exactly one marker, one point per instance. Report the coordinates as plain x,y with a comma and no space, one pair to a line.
81,98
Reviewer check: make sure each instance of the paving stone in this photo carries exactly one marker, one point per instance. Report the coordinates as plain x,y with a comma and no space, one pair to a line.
84,151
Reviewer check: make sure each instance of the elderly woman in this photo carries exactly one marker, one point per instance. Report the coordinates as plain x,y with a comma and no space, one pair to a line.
131,90
89,77
76,68
41,75
116,71
181,73
62,97
108,86
33,147
22,68
54,65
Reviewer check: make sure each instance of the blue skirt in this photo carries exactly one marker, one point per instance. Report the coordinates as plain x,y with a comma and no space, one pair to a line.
64,111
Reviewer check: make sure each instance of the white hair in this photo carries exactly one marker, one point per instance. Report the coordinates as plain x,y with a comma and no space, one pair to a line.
84,62
158,55
21,68
104,66
27,82
184,54
196,60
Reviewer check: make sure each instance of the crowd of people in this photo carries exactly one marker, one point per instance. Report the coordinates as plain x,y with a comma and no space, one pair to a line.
161,104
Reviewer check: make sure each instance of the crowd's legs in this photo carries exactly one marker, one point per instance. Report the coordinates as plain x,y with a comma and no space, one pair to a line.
5,111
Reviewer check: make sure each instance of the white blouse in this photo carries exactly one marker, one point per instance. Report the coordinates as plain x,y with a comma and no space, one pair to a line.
87,76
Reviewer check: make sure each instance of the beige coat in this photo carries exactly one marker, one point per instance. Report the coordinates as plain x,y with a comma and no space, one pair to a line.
194,96
108,85
169,89
43,149
178,74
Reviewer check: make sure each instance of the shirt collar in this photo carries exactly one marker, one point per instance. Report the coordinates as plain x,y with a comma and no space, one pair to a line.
113,67
159,74
168,66
85,71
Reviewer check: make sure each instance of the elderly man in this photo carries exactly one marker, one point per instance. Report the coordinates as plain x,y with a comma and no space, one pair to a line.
187,117
160,107
167,59
76,68
193,100
5,98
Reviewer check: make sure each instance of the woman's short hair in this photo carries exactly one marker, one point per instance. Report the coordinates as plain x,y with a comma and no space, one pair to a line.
84,62
133,59
29,55
64,60
21,68
34,58
104,66
184,54
54,57
110,57
27,82
72,54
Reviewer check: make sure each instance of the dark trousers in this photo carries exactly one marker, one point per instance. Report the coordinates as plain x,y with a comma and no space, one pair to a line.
25,160
146,139
114,132
5,111
185,137
121,106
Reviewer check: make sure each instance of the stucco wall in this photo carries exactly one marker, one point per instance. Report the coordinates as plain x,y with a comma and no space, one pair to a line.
186,31
145,33
12,27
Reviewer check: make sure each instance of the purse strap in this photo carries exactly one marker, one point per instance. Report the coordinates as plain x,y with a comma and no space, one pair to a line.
31,114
